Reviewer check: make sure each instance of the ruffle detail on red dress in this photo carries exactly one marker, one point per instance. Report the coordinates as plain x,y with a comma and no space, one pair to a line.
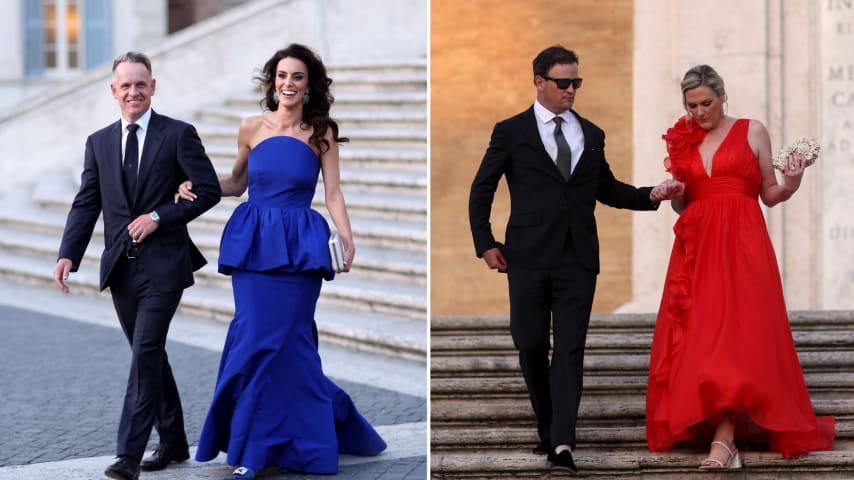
679,288
681,139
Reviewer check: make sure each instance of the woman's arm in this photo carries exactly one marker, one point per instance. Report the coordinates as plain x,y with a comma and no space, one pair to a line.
329,163
770,191
235,184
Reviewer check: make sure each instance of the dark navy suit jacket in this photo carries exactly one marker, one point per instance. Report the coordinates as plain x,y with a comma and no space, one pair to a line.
172,153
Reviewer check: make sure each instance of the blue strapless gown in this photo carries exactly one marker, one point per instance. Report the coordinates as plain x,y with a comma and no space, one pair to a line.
272,405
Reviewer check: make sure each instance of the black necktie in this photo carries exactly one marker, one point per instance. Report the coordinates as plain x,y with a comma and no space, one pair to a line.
564,154
131,160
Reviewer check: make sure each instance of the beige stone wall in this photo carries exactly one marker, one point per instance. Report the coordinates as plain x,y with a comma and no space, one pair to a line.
780,60
481,54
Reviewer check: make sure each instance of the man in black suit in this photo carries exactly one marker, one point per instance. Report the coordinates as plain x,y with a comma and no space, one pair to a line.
554,163
131,171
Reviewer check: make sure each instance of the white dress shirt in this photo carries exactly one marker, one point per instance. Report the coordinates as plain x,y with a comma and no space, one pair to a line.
571,129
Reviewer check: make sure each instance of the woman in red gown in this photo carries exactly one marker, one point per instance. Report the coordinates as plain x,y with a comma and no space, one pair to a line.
723,366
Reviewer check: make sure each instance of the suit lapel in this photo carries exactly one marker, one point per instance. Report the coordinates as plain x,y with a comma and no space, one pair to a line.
585,130
153,142
532,133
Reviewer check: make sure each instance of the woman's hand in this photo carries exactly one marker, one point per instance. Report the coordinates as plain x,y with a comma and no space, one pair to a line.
185,192
796,164
349,254
667,190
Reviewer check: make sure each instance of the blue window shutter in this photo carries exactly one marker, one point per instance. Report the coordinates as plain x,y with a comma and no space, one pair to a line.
33,38
98,38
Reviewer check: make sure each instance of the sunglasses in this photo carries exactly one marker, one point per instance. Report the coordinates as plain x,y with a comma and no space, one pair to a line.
564,83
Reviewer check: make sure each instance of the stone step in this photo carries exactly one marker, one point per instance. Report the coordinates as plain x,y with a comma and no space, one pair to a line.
488,388
379,179
461,438
45,206
366,292
450,438
590,413
835,465
368,80
347,117
606,363
390,232
409,159
372,326
628,322
476,345
379,263
393,205
398,137
44,211
363,100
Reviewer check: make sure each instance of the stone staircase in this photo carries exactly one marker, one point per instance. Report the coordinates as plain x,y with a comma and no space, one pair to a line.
381,304
482,425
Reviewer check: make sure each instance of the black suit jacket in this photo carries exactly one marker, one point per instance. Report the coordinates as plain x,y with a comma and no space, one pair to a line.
172,153
547,213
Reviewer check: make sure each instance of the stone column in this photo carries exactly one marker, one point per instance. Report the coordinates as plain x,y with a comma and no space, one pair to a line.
836,167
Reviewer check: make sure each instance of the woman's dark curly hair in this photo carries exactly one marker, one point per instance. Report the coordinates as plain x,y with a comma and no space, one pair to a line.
316,112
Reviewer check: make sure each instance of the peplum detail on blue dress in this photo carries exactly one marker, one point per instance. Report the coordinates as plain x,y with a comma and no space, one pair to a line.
276,229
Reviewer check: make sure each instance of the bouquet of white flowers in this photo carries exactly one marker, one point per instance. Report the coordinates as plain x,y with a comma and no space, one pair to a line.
807,146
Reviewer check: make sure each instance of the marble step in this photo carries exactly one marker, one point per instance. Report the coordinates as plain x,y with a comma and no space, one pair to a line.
390,231
376,178
404,266
488,388
628,322
368,80
371,327
366,202
415,97
347,117
39,205
608,363
833,465
451,438
399,137
475,413
473,345
410,159
353,290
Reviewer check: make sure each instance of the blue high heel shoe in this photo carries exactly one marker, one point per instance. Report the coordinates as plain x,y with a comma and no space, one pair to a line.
244,472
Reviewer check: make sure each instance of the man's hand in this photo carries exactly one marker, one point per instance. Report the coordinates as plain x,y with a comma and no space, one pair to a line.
494,259
60,274
141,227
667,190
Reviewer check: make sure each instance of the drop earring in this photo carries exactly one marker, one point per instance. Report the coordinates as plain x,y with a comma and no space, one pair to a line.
275,97
305,98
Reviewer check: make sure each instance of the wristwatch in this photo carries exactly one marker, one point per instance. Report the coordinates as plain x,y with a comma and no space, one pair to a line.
155,217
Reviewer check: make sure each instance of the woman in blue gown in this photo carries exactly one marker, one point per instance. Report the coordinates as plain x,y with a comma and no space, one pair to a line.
273,405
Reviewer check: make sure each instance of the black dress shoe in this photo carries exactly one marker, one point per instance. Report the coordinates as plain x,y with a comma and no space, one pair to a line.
543,448
125,468
164,455
562,461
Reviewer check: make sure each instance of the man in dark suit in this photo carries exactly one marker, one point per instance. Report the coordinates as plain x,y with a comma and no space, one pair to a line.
131,171
554,163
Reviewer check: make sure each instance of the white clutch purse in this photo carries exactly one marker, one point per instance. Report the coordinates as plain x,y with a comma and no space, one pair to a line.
336,251
807,146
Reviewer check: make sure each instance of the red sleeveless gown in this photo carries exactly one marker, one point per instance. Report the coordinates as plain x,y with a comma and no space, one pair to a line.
722,339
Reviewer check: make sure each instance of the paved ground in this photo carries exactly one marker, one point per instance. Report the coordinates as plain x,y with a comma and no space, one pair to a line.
64,365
